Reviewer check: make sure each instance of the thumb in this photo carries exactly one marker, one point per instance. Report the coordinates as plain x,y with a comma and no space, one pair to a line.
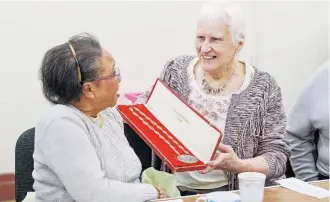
224,148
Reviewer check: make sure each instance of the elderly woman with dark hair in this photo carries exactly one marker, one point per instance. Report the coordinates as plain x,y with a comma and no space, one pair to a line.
239,99
81,153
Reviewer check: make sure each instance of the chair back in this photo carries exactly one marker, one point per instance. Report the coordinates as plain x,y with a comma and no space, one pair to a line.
24,164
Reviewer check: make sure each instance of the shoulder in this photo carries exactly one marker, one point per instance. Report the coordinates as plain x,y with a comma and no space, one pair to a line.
175,68
322,74
265,80
317,85
181,59
263,86
179,62
175,74
59,111
58,115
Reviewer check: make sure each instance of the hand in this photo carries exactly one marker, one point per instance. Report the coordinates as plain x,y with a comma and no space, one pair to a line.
225,160
163,194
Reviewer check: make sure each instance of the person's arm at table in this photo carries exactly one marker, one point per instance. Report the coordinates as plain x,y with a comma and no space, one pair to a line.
300,127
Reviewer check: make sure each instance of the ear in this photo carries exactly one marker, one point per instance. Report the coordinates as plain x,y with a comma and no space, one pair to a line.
240,44
88,90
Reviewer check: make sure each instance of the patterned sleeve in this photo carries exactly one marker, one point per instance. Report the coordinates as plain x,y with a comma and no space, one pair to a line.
273,146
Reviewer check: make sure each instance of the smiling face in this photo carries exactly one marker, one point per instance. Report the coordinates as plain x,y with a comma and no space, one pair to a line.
214,46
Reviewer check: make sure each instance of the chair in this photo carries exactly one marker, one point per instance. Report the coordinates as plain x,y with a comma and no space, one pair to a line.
289,172
141,149
24,164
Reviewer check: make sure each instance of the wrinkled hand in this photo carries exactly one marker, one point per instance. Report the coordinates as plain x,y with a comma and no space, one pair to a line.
226,160
163,194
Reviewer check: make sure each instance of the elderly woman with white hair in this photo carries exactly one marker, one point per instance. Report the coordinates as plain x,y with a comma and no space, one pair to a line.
238,98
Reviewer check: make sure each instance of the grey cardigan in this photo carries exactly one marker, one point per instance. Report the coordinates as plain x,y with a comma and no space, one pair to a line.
255,123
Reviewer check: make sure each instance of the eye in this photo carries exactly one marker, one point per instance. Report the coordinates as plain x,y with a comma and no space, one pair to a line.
200,37
217,38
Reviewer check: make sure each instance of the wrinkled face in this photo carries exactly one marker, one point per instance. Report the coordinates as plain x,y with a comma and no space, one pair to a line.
105,87
214,45
108,88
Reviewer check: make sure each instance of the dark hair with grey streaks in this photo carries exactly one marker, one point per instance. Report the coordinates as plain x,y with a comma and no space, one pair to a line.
59,73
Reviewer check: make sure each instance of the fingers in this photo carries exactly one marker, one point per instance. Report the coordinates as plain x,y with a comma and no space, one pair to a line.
212,164
215,163
225,148
207,169
163,194
224,152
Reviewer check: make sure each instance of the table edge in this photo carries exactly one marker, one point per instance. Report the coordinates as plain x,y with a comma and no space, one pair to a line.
182,197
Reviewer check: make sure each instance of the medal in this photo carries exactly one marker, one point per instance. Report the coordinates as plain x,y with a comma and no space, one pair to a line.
187,158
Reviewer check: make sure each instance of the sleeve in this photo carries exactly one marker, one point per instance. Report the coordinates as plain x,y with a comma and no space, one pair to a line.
301,132
273,146
72,157
301,141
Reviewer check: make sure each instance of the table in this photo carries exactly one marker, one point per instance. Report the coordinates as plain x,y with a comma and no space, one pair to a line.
278,194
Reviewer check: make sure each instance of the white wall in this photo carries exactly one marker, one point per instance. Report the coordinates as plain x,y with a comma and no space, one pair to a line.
142,36
292,40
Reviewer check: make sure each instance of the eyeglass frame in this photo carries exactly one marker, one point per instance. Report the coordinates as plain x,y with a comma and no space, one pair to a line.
116,75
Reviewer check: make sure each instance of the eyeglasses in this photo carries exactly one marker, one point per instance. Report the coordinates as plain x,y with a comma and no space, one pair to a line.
115,75
116,72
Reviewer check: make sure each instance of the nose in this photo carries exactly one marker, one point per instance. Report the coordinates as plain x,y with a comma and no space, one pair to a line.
205,48
119,78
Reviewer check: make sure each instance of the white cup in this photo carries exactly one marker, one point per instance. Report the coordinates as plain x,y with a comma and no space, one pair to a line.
219,196
251,186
